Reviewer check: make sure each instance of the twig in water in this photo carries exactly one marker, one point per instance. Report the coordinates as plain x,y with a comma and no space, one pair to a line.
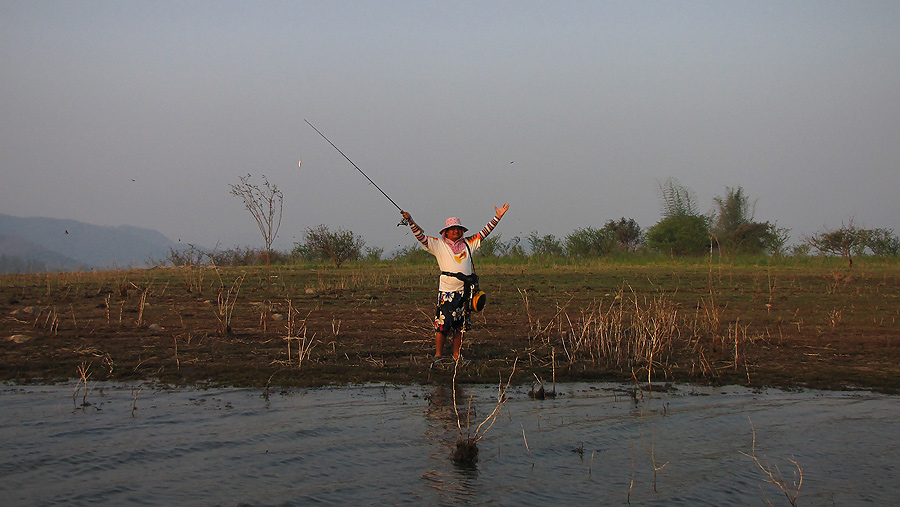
553,361
84,374
529,449
631,484
540,394
467,450
655,468
791,491
134,401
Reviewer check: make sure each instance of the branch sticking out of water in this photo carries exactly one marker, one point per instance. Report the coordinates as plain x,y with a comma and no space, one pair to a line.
467,449
84,373
773,473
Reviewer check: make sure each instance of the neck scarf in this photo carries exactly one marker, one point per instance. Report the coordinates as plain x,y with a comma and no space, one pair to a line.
458,246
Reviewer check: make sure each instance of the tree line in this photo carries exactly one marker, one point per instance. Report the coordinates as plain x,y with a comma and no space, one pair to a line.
729,230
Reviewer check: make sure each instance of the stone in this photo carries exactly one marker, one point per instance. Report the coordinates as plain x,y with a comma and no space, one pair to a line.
20,338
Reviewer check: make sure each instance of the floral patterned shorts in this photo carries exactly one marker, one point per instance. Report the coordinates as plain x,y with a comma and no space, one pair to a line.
450,314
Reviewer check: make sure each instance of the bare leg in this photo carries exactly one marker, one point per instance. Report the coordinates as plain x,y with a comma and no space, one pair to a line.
438,343
457,344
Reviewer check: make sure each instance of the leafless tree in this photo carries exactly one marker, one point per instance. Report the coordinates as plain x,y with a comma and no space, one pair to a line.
264,203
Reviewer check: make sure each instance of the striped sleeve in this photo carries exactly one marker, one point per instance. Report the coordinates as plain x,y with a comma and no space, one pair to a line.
418,232
488,228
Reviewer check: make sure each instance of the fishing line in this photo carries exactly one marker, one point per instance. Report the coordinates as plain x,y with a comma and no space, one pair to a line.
358,169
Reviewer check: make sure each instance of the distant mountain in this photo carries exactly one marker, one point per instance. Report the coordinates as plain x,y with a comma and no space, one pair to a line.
18,255
51,244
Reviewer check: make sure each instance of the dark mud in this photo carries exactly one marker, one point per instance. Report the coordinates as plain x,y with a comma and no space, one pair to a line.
788,326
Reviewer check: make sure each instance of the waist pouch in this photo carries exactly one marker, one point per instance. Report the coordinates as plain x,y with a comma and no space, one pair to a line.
474,297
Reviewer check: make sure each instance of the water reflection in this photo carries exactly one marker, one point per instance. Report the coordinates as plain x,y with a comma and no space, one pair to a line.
234,446
447,424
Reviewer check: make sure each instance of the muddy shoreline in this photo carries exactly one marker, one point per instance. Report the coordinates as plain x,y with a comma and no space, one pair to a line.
785,326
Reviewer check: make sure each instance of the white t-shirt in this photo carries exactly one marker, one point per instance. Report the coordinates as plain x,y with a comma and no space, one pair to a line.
451,262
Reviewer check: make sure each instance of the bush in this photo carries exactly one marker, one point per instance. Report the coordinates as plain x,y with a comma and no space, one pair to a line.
373,254
627,233
495,247
190,256
590,242
545,246
237,256
679,235
735,231
801,250
846,242
883,243
324,244
753,238
412,254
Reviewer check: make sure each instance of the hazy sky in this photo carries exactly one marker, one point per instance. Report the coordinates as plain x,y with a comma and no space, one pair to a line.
143,113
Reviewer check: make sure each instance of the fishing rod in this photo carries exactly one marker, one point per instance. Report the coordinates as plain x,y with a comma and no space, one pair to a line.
404,222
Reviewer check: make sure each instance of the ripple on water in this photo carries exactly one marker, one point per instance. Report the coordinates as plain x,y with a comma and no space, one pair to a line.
376,444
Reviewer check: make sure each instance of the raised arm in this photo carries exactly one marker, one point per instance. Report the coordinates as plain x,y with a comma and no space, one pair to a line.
416,230
493,223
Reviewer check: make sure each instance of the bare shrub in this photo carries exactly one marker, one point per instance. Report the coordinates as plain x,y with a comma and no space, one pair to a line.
264,203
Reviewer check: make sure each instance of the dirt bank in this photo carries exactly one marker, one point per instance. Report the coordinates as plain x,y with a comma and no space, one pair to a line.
787,325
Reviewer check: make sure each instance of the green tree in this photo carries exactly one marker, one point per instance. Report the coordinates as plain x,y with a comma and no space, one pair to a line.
494,246
545,246
679,235
677,200
737,233
846,242
733,210
590,242
337,246
883,243
682,230
373,253
627,233
413,254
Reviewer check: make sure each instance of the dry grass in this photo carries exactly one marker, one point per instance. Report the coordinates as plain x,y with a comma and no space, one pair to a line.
758,325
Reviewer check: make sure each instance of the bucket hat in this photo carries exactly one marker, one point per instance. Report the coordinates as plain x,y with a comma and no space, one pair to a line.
453,222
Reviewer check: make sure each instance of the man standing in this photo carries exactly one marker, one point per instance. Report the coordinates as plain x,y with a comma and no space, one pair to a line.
453,252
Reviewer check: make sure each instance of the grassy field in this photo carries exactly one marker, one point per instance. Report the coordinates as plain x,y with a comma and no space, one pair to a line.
792,323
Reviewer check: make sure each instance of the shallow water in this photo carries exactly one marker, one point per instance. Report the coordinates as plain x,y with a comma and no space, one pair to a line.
593,444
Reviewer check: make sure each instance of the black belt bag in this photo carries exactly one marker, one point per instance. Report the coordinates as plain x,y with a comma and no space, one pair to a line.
473,296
